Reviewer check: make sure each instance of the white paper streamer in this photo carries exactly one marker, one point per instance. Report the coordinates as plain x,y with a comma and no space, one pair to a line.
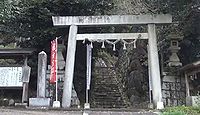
103,45
124,48
91,45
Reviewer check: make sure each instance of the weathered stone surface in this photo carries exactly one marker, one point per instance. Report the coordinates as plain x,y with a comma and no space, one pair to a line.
42,68
154,64
11,102
69,67
111,20
21,104
39,102
193,101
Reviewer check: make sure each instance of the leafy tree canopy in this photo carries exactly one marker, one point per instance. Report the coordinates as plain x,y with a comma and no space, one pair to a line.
32,21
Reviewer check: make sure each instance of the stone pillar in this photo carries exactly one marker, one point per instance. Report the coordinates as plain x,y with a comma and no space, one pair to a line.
187,85
154,67
41,81
41,101
69,67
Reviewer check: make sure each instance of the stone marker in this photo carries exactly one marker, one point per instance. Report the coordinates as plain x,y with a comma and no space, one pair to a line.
41,101
42,67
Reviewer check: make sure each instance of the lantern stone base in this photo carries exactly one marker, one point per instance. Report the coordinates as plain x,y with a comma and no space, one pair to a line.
193,101
160,105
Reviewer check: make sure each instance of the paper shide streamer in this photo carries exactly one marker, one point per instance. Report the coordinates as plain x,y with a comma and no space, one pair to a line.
113,42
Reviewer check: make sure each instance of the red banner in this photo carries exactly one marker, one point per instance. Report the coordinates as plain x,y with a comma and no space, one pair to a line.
53,74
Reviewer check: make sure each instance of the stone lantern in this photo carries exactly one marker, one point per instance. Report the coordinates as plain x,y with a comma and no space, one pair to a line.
61,60
174,60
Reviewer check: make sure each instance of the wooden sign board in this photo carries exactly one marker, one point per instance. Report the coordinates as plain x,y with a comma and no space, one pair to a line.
11,77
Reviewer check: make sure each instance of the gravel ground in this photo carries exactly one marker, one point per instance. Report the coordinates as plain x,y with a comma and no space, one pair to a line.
24,111
13,111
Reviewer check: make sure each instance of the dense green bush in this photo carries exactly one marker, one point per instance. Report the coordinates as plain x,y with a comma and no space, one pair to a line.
181,110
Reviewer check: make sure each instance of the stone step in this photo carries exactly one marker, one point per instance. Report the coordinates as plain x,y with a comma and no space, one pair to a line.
106,77
109,105
104,95
109,102
107,94
109,85
108,98
101,70
106,88
104,80
102,90
106,83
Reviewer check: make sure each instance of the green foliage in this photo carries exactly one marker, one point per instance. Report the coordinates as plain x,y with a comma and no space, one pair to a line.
6,9
186,14
181,110
191,43
33,19
33,25
174,113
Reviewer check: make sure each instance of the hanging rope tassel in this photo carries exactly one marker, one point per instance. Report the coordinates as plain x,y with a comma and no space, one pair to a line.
103,45
114,49
124,48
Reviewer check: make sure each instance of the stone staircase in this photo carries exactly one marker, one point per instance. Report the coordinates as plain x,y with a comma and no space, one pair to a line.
106,90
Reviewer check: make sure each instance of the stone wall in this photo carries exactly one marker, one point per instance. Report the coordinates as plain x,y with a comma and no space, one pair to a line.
173,89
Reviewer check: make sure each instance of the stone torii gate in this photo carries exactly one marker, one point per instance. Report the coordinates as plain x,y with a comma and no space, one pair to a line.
75,21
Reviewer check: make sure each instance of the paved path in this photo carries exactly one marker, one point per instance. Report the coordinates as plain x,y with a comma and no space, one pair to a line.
21,111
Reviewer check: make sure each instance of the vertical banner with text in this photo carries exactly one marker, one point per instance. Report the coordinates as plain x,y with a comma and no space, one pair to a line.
89,64
53,74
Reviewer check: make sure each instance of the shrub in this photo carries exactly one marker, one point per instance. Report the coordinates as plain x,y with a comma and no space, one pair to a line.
181,110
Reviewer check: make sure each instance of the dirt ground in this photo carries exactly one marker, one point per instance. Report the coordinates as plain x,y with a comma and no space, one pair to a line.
24,111
5,111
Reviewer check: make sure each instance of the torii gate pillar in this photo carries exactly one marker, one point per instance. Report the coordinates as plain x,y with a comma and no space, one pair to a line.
154,67
69,67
